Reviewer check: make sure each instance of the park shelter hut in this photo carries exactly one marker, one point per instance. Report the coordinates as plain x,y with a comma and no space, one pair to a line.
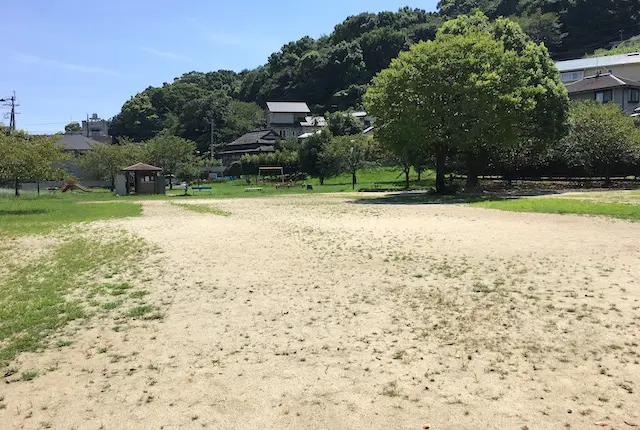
146,179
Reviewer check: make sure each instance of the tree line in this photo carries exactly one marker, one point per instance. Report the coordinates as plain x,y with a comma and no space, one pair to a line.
178,158
24,157
482,98
333,72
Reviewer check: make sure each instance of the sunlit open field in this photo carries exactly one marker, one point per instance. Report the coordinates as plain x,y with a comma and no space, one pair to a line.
323,311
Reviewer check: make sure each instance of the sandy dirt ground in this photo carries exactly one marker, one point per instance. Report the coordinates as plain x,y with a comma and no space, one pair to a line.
320,313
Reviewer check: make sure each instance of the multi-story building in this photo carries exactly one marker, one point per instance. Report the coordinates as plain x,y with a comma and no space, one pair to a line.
287,119
95,127
610,79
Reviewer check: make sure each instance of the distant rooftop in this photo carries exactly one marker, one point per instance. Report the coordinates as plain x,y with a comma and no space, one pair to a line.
256,137
601,82
288,107
142,167
76,142
595,62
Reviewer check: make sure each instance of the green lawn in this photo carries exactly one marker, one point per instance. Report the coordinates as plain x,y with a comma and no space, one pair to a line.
26,216
565,206
385,177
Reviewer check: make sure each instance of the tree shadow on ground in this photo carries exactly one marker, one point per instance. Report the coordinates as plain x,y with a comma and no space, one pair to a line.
429,198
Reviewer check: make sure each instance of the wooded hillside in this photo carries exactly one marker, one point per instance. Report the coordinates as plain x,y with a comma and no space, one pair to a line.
333,72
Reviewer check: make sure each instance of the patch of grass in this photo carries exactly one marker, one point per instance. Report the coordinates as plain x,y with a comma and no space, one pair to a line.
19,217
204,209
138,294
111,305
140,311
566,206
63,343
33,299
29,375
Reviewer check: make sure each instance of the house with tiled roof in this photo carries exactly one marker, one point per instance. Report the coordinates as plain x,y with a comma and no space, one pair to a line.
254,142
607,88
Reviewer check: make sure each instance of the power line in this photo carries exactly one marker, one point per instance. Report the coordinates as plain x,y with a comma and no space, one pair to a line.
11,103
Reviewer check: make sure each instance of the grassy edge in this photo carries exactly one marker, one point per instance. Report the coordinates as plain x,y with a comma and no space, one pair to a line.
629,212
204,209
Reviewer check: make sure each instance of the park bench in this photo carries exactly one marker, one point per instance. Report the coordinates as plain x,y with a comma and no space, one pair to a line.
248,190
202,188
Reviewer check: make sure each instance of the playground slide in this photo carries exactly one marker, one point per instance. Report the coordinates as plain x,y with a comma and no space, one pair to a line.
70,186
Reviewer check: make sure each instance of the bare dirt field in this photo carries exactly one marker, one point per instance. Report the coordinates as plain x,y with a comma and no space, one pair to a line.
318,312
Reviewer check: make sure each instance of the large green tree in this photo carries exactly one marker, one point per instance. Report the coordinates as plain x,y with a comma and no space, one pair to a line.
474,90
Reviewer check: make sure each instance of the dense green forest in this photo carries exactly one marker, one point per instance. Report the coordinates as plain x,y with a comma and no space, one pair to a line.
332,73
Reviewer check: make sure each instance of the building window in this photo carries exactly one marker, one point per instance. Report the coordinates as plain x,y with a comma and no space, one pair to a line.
571,76
634,96
604,96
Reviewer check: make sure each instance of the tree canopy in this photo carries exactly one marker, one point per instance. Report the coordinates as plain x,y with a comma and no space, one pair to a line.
72,128
26,157
333,72
477,88
602,139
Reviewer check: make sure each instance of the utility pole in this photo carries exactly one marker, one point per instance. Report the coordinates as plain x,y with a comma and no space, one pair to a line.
211,141
11,102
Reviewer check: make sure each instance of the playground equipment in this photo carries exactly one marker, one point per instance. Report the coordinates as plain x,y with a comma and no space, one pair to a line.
71,185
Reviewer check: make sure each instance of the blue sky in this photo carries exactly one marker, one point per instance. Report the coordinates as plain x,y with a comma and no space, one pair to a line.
67,58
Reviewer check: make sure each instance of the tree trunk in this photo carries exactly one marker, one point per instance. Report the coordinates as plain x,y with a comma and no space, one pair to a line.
17,187
472,173
38,185
440,166
353,180
472,178
406,179
321,180
170,181
419,175
113,183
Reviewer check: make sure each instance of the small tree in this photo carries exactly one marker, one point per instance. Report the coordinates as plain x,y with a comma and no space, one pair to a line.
169,152
24,157
352,151
104,161
191,170
45,160
72,128
343,124
316,158
601,137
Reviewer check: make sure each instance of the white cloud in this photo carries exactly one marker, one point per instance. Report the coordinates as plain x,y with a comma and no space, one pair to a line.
165,54
34,59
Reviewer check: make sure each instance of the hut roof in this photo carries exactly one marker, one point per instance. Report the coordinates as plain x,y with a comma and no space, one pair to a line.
141,167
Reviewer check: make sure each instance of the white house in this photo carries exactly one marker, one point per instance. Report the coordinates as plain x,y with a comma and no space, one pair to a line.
624,65
287,118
